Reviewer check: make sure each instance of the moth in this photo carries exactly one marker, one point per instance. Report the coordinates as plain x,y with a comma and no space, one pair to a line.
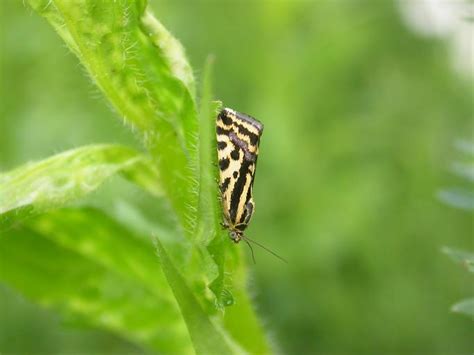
238,140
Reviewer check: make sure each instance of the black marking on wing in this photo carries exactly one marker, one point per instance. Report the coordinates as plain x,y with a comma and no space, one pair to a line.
243,217
249,207
252,136
242,145
223,131
239,188
224,163
221,145
235,154
241,227
225,118
235,174
225,184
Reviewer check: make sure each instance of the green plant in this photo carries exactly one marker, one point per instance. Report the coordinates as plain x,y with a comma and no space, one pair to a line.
461,198
466,259
102,271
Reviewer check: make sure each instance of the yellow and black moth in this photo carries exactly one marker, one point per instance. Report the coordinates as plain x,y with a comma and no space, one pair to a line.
238,139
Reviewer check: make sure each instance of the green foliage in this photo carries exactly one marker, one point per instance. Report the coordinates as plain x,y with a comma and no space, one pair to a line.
463,198
465,307
117,44
52,183
206,338
101,276
360,113
95,269
467,261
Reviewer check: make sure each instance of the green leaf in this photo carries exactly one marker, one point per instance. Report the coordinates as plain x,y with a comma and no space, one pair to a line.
209,212
457,197
465,146
229,287
463,257
463,170
215,341
465,307
143,72
96,272
208,230
173,51
467,260
58,180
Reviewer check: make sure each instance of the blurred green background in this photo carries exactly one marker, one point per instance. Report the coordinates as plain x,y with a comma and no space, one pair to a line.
360,117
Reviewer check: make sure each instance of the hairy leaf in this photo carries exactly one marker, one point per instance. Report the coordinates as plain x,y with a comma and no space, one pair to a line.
144,74
92,269
197,321
142,70
53,182
208,229
208,208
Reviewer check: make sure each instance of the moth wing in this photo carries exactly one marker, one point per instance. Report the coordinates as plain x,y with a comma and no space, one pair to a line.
238,138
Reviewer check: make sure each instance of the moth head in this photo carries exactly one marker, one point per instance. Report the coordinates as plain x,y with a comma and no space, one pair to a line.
236,236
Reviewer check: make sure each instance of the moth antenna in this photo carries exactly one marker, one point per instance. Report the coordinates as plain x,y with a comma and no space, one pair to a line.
251,250
247,239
